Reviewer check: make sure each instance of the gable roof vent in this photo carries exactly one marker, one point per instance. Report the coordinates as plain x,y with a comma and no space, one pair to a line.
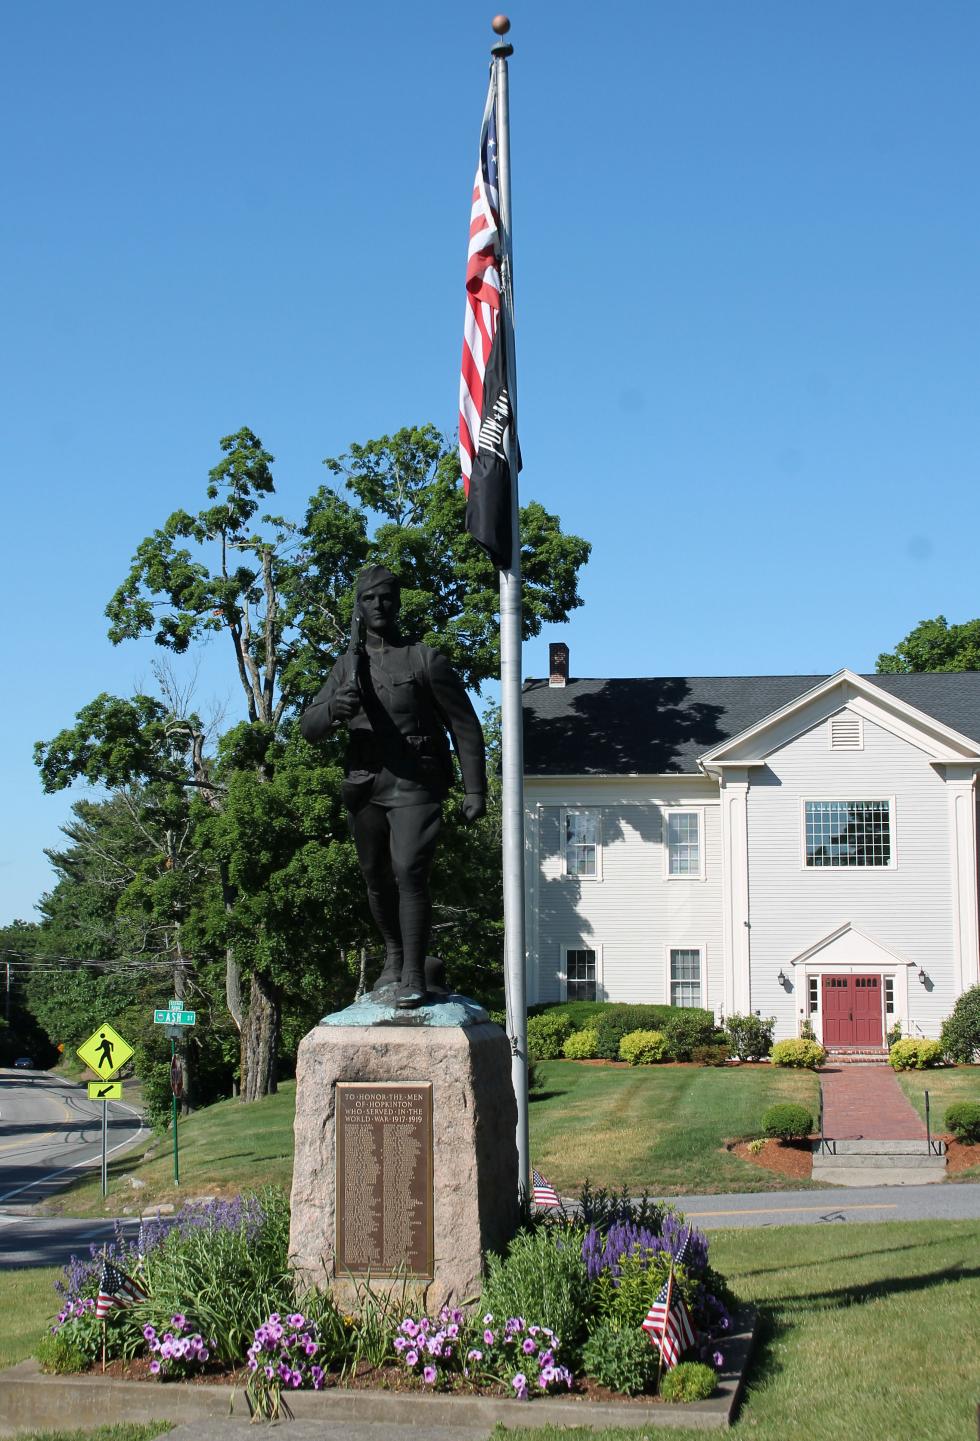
846,732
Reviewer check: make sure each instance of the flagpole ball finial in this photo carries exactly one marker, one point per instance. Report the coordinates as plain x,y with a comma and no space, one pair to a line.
500,24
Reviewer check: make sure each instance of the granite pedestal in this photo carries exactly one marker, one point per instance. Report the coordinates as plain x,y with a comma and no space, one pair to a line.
406,1166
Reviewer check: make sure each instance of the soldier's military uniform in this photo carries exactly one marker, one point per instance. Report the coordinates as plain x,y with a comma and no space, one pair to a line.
399,770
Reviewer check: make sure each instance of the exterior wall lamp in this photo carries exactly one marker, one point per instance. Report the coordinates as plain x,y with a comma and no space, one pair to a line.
781,978
922,976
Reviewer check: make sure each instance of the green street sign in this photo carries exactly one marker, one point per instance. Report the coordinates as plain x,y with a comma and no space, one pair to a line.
174,1018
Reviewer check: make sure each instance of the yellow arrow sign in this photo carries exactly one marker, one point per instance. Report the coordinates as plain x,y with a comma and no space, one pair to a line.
105,1051
105,1090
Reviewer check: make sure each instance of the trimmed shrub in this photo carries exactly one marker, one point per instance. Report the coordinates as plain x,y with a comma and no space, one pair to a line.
915,1053
546,1034
710,1055
689,1381
61,1355
750,1037
642,1048
616,1020
580,1013
620,1357
581,1045
787,1121
688,1028
961,1030
807,1055
963,1121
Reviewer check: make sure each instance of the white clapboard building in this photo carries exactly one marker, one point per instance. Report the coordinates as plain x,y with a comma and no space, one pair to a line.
800,846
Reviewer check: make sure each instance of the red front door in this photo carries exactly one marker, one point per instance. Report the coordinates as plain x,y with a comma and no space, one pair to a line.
852,1011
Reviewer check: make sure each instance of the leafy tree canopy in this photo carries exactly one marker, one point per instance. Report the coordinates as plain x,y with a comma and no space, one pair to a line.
934,645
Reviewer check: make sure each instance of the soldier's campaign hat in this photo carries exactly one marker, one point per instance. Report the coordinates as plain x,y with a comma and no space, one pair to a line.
374,576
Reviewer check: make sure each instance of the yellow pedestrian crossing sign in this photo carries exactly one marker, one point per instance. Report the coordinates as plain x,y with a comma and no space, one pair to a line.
105,1051
105,1090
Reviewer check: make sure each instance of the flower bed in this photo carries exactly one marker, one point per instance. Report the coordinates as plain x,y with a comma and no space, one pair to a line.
562,1312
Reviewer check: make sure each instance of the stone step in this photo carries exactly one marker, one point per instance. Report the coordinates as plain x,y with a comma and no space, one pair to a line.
883,1176
868,1147
872,1161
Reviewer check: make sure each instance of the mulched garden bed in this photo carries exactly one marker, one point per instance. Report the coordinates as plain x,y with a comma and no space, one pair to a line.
960,1156
367,1378
792,1159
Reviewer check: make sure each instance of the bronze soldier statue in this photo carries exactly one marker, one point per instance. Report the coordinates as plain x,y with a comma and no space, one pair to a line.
398,702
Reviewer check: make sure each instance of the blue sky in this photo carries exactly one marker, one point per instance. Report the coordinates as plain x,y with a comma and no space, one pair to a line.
746,278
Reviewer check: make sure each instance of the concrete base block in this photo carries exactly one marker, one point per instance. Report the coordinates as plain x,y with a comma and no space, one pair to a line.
474,1150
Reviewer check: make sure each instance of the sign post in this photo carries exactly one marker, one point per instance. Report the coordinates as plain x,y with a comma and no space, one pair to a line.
175,1018
105,1052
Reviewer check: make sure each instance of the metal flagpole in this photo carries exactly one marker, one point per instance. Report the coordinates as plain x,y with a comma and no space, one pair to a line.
512,736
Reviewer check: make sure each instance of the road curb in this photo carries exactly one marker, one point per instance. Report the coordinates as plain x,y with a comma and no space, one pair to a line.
31,1401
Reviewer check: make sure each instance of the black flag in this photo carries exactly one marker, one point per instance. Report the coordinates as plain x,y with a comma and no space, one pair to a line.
488,503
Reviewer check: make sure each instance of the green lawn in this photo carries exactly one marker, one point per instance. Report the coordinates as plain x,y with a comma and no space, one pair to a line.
945,1086
660,1128
28,1305
130,1431
869,1334
223,1148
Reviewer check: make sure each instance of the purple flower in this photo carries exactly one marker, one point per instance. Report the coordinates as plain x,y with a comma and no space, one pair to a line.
529,1347
296,1379
179,1321
474,1355
155,1367
719,1360
429,1375
488,1337
399,1343
148,1332
411,1358
203,1355
296,1321
519,1384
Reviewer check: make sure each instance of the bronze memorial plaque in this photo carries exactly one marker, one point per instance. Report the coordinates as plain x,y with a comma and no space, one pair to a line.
384,1178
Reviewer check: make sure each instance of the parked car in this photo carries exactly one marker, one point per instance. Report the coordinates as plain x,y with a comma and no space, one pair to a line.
24,1063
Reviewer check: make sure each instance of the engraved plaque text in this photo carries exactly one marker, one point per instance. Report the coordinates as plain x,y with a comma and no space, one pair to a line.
384,1179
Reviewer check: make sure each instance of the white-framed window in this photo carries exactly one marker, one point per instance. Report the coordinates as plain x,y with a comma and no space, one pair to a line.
581,973
582,843
889,995
848,835
813,994
686,968
684,843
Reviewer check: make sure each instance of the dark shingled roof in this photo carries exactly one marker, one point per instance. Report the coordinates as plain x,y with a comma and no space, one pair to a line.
652,726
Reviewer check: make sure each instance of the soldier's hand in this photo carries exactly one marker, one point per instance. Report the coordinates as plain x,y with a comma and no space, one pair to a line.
345,705
474,806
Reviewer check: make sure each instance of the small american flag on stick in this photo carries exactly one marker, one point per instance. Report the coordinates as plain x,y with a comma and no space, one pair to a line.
115,1289
543,1192
668,1322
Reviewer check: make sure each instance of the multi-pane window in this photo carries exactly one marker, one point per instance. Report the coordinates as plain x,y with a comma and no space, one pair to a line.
848,833
813,994
889,995
685,977
582,841
683,843
580,977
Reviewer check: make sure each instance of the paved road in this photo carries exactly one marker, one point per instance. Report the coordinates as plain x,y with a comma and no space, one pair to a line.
50,1240
949,1201
48,1130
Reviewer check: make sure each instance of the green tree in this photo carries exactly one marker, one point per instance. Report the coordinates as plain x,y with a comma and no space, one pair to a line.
934,645
288,907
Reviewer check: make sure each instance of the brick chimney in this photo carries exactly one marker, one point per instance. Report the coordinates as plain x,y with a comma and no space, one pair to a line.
558,664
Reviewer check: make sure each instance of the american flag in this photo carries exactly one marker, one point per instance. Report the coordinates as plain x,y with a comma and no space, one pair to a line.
543,1192
668,1321
115,1289
485,400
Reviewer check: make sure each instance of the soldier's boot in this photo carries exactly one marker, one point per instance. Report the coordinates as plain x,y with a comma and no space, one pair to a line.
384,909
414,918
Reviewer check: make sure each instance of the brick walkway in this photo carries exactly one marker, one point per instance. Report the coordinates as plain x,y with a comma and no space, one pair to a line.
867,1103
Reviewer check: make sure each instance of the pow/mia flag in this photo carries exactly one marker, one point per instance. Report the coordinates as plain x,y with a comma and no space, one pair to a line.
488,501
